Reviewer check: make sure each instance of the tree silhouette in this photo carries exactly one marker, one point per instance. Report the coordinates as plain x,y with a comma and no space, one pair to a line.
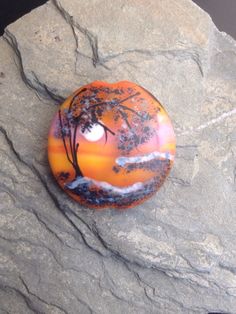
86,109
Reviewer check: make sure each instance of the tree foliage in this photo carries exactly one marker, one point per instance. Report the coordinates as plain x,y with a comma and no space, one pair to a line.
88,108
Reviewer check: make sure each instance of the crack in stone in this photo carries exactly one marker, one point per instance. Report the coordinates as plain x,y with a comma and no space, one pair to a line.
39,298
26,299
144,284
49,229
90,310
3,311
31,168
52,253
33,244
35,84
45,90
180,54
62,210
113,287
181,305
31,210
92,39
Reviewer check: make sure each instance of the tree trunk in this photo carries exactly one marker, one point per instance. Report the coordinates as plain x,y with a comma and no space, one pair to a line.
78,172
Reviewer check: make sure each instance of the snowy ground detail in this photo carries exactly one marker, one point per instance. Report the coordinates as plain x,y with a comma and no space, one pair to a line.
122,161
104,185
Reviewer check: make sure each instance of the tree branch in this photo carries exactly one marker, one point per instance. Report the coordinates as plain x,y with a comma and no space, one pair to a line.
125,118
106,128
76,156
63,139
132,110
131,96
70,138
76,95
74,141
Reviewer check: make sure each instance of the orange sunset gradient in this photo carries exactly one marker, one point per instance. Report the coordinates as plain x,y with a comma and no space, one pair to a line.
97,155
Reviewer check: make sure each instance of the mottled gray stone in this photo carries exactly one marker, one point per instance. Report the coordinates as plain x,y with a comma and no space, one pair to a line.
176,253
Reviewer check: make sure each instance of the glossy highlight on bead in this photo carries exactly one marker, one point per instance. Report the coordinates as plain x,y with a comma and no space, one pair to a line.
111,145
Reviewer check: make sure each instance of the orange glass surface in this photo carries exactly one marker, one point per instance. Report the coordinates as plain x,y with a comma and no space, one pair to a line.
111,145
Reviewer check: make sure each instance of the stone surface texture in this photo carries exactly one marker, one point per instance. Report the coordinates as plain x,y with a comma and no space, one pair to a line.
176,253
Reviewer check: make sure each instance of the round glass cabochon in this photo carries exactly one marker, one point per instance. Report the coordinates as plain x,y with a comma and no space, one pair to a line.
111,145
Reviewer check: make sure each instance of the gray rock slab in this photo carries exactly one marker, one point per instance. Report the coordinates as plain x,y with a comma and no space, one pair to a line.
176,253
